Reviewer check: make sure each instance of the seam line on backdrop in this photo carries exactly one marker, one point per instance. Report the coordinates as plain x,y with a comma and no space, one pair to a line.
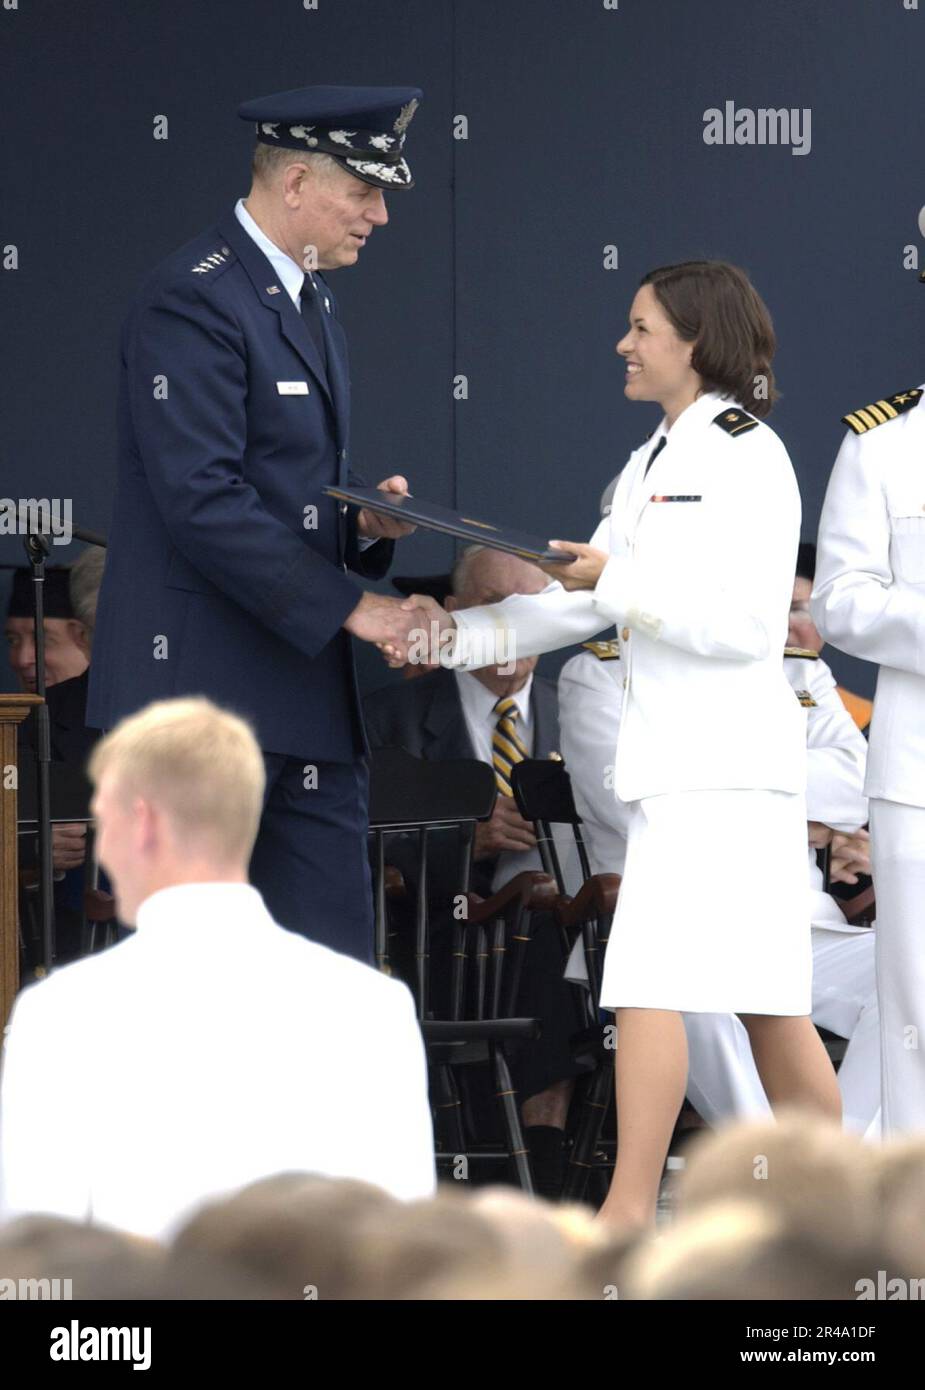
454,262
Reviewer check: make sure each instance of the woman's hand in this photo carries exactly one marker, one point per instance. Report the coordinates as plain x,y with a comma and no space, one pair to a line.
584,572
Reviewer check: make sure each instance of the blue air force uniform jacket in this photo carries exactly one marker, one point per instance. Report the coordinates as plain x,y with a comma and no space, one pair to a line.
219,581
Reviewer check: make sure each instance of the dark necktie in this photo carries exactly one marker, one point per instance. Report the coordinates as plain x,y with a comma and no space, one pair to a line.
310,300
655,453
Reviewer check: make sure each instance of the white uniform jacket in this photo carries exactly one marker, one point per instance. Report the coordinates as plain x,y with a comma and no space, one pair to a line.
869,594
703,552
209,1049
836,759
836,748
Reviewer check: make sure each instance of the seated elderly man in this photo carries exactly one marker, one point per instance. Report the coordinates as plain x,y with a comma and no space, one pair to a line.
722,1079
66,652
70,741
498,714
211,1047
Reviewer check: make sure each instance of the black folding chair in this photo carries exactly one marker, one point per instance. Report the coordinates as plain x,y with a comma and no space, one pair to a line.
543,792
415,798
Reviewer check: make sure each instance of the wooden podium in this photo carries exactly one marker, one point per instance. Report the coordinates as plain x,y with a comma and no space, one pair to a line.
13,710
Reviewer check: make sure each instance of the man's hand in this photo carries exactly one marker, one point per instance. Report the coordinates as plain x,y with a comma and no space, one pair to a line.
432,629
372,526
584,572
68,845
850,856
506,829
385,621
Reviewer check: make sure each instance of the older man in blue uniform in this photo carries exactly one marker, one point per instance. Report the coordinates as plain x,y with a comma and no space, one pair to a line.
228,571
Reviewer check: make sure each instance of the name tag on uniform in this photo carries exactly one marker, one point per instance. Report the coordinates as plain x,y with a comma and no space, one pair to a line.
292,388
686,497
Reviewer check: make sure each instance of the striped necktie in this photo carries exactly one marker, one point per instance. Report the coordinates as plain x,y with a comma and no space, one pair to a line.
506,745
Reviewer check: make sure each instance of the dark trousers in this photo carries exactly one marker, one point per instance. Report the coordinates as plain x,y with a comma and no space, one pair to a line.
310,861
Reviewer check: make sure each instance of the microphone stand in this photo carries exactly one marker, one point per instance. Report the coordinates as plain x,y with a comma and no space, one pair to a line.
37,551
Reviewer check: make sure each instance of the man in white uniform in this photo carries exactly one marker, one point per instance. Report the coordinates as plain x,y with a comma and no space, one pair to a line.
869,600
723,1081
212,1047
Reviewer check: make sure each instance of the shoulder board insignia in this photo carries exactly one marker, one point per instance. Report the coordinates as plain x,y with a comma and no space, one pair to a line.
735,421
869,416
806,700
806,653
604,651
215,258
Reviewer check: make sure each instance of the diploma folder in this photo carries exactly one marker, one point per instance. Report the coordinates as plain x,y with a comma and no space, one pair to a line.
465,528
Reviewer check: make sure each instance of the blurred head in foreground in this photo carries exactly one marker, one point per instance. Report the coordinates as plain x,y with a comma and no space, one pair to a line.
178,793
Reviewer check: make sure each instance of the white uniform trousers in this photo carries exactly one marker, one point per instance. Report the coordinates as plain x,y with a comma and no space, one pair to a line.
723,1082
897,834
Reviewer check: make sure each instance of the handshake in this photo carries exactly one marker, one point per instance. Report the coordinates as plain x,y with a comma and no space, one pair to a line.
412,631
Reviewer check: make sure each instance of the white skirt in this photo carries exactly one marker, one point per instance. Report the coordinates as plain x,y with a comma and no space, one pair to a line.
714,910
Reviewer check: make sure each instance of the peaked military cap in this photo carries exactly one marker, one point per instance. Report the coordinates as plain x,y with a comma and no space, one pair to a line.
867,417
363,128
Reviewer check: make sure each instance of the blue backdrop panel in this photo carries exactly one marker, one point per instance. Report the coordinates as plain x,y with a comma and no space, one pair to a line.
584,129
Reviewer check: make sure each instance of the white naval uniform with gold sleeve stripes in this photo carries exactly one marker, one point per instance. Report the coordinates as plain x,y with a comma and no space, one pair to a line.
711,751
869,600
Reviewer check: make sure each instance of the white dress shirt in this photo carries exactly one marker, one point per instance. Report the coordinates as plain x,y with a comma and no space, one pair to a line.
291,274
478,704
210,1049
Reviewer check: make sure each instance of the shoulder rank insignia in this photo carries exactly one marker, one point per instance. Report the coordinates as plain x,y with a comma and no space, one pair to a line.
806,700
869,416
604,651
211,261
806,653
735,421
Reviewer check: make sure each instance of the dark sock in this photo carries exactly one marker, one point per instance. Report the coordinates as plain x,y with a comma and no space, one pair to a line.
547,1159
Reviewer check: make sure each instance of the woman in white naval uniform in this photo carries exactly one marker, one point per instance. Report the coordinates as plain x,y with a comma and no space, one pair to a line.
695,565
